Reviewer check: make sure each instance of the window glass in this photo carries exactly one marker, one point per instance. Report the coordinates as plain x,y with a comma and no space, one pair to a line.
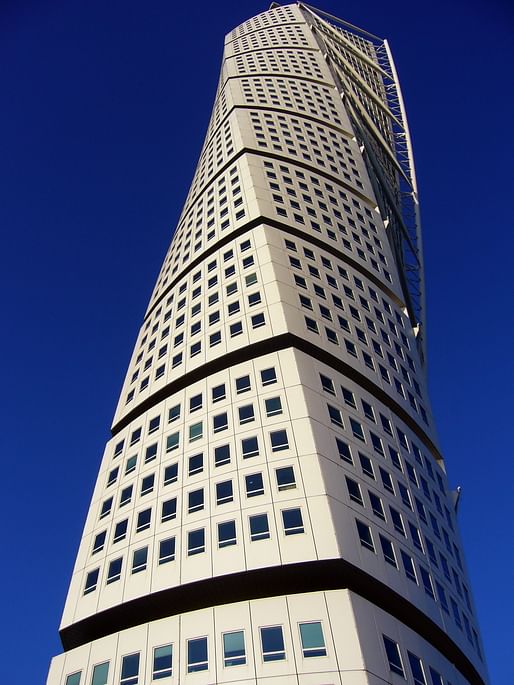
243,384
259,527
130,670
74,678
234,648
285,478
114,572
197,655
222,455
417,669
166,550
268,376
224,492
139,560
393,656
272,641
195,542
170,473
226,534
293,522
254,485
169,510
91,581
279,441
162,662
313,642
100,674
143,520
250,447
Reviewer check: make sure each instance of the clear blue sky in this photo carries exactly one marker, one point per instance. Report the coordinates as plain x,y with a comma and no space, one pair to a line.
96,157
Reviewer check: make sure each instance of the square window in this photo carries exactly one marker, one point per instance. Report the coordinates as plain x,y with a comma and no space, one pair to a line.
285,478
279,441
234,648
313,642
169,510
197,655
221,455
120,530
246,414
220,422
243,384
224,492
259,527
268,376
254,485
293,522
273,406
250,447
218,393
196,431
258,320
227,534
195,542
272,641
166,551
236,329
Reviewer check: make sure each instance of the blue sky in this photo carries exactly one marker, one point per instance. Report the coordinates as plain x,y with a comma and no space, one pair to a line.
96,159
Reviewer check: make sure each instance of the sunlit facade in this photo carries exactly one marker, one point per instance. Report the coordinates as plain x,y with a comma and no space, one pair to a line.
273,506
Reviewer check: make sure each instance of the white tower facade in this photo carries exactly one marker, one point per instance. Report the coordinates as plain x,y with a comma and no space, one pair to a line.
273,506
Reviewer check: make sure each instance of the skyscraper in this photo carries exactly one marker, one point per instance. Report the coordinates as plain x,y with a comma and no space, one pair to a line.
273,506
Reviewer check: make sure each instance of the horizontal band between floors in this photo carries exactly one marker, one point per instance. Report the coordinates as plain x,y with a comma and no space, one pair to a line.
264,347
291,230
274,581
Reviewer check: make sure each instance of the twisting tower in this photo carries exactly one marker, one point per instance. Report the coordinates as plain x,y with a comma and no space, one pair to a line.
273,506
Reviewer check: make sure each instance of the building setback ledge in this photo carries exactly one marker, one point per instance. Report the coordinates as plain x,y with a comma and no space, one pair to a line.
312,576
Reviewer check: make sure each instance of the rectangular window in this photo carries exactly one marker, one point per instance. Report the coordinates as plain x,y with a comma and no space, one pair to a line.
91,581
139,560
166,551
365,538
226,534
313,642
279,441
114,572
272,642
220,422
171,474
224,492
416,668
172,441
218,393
197,659
143,520
393,656
120,531
147,484
99,542
268,376
162,662
196,431
100,674
150,454
273,406
250,447
344,451
354,491
74,678
285,478
254,485
388,551
293,522
169,510
195,542
106,508
195,501
259,527
246,414
234,648
221,455
408,567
